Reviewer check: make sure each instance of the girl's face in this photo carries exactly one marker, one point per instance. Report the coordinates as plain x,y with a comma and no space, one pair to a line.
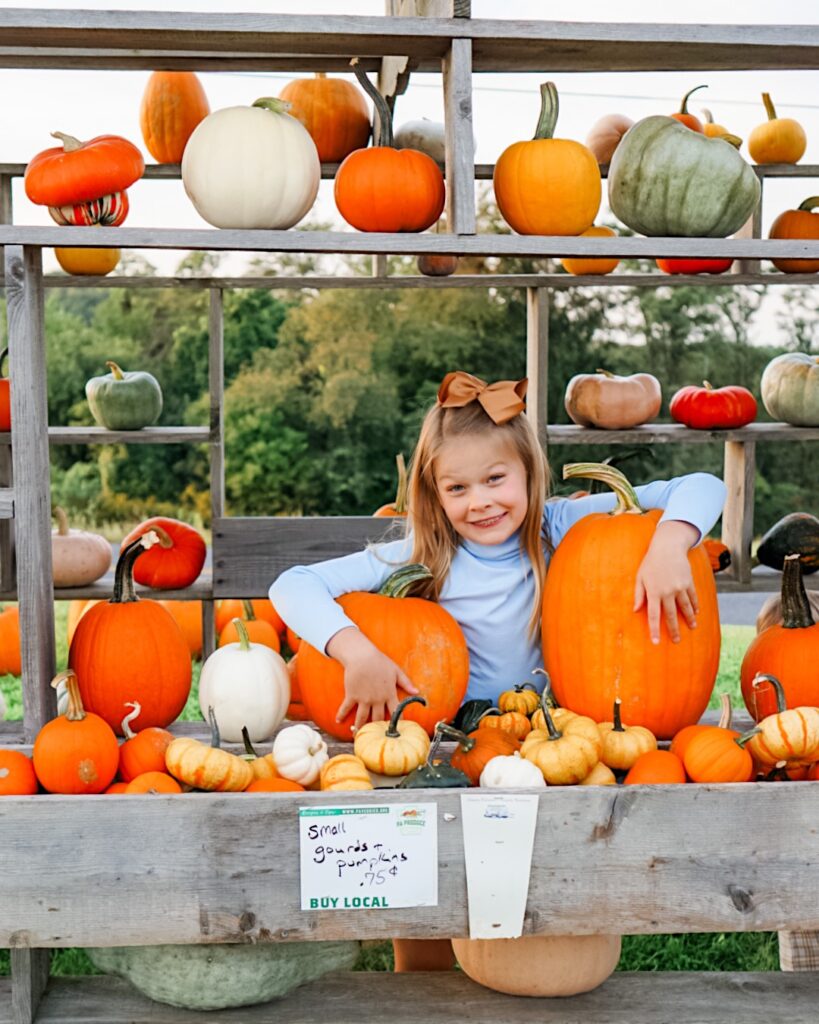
482,487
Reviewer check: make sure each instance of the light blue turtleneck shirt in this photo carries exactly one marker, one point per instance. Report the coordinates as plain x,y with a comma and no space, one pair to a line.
490,588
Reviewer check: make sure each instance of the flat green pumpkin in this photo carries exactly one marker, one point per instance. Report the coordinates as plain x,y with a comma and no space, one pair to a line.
667,180
124,400
213,976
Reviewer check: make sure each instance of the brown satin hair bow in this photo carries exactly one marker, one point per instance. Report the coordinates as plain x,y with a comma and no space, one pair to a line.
501,401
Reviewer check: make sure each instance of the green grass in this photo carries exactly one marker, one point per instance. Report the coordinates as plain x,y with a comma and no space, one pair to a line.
748,951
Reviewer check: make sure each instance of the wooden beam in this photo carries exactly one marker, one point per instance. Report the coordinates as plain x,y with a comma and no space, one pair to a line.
29,977
537,359
460,140
738,514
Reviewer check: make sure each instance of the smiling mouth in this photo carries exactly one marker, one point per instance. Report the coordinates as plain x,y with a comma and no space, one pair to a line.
484,524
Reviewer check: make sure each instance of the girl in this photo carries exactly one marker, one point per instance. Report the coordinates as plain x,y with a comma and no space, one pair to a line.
479,519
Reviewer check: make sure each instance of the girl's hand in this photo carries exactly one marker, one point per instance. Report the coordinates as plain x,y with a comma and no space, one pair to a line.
664,579
370,678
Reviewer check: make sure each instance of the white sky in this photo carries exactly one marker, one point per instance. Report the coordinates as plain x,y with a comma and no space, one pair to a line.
505,106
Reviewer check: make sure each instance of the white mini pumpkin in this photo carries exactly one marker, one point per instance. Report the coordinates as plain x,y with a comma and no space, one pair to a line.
511,772
299,752
246,684
427,136
251,167
78,557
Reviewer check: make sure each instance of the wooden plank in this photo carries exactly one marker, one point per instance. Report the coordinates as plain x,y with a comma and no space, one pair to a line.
649,859
6,503
147,435
29,419
460,140
359,997
245,563
738,514
29,977
751,229
537,359
409,243
676,433
216,385
8,571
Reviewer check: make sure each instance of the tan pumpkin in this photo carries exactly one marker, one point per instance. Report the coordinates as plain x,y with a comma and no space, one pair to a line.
600,775
623,744
539,965
395,747
604,400
564,756
344,772
78,557
605,134
207,767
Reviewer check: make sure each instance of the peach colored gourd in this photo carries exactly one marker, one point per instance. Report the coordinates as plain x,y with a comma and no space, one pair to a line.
604,400
605,134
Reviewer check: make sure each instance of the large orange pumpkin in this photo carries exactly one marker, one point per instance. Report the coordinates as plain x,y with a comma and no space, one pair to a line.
388,189
76,610
126,649
188,616
176,561
173,104
420,636
798,223
597,648
548,186
789,651
334,113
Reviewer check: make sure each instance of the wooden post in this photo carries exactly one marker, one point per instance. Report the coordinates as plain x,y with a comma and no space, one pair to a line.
379,265
738,515
7,566
460,144
537,359
216,446
32,505
752,228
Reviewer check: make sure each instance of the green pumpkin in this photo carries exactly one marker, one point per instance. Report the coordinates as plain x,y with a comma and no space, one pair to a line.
790,389
215,976
667,180
794,534
124,401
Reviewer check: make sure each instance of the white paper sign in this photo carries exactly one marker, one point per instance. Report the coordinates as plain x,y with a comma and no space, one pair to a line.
499,835
365,857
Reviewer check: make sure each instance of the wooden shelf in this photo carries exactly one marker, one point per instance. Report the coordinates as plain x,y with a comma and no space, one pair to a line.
676,433
147,435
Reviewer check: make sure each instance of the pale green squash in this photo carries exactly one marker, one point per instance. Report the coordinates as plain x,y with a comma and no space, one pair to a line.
790,388
215,976
124,400
667,180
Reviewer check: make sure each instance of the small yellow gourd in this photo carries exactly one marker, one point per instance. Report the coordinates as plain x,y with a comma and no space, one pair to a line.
344,772
564,757
523,698
600,775
207,767
513,722
623,744
395,747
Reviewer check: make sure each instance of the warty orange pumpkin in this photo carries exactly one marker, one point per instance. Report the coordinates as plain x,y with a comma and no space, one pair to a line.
597,648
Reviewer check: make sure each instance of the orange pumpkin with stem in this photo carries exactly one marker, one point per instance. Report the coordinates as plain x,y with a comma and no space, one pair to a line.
779,140
418,635
684,116
76,752
623,744
176,561
153,782
142,751
233,608
789,651
333,111
258,631
399,506
76,172
548,186
799,223
173,104
719,755
580,265
596,647
17,775
387,189
126,649
688,732
477,748
513,722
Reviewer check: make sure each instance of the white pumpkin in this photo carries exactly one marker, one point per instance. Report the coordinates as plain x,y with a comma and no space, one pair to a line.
246,684
511,772
78,557
299,752
251,167
427,136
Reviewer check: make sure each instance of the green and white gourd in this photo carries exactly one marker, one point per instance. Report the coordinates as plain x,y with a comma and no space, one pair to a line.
124,400
790,388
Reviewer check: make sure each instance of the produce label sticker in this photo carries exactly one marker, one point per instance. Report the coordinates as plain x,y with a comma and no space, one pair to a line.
368,858
499,836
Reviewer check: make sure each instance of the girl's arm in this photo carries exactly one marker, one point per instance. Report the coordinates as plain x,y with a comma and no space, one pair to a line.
692,504
305,596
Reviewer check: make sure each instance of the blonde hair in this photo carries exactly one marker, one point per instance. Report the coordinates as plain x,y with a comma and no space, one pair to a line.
434,539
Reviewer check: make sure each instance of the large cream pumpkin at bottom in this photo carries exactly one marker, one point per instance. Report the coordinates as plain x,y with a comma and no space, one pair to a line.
539,965
251,167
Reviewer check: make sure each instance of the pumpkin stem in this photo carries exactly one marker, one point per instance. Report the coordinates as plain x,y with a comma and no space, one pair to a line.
769,107
248,745
726,712
3,355
796,610
401,492
244,639
547,688
381,108
70,144
442,729
808,204
554,732
76,712
781,701
707,116
164,537
247,605
618,722
684,104
271,103
549,109
708,385
127,731
62,521
733,140
392,729
605,373
743,739
215,738
520,687
116,372
321,74
124,575
402,580
626,495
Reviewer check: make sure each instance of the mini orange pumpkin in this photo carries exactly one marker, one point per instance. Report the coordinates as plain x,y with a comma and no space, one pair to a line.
779,140
477,748
656,768
590,264
17,775
153,782
258,631
173,104
334,113
76,172
798,223
143,751
719,755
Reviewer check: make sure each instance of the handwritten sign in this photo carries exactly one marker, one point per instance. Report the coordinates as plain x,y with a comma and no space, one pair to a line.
365,858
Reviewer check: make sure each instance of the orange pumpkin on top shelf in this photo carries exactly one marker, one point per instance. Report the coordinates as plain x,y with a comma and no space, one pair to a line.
333,111
684,116
173,104
779,140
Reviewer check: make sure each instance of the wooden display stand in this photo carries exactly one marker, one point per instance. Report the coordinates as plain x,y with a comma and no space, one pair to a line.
211,868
